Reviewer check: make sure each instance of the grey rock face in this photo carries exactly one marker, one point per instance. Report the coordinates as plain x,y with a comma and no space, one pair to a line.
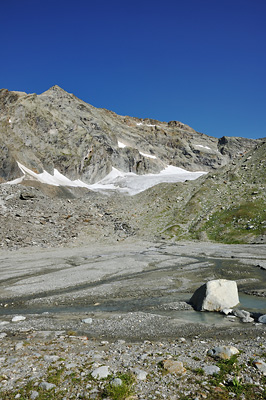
57,130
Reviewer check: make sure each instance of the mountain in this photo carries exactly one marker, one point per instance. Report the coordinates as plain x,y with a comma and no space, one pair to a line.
56,130
55,142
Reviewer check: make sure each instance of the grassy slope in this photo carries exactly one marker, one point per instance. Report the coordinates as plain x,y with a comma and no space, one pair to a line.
228,206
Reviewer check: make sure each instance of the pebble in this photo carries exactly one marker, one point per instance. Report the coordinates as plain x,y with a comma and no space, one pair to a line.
101,372
34,395
18,318
174,367
116,382
47,386
211,369
50,359
140,374
87,320
19,346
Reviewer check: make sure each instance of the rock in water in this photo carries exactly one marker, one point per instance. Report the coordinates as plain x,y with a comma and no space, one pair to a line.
215,296
262,319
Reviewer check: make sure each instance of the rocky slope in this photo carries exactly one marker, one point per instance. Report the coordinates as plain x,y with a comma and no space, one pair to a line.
228,205
57,130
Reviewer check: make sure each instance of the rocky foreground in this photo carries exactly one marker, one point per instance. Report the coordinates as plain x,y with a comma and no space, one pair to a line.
112,322
63,365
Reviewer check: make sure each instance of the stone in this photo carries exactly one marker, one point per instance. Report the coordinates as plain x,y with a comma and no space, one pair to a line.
101,372
3,323
47,386
174,367
3,335
140,374
215,295
211,369
260,365
247,319
262,319
34,395
223,352
50,359
243,315
87,320
18,318
226,311
116,382
19,346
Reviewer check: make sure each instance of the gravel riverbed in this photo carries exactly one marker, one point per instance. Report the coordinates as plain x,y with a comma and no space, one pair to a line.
113,322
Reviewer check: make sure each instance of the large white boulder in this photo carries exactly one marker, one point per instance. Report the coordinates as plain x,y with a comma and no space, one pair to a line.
215,296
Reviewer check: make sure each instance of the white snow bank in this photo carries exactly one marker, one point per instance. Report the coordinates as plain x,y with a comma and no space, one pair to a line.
200,145
125,182
131,183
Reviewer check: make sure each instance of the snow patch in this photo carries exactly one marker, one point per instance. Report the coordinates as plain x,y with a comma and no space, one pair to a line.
124,182
204,147
147,155
141,123
131,183
121,145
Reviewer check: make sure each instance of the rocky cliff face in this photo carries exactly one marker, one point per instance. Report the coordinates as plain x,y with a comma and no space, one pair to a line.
57,130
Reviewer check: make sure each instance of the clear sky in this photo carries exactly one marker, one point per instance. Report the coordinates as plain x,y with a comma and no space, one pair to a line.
202,62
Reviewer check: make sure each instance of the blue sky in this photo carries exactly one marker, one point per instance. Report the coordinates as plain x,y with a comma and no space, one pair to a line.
202,62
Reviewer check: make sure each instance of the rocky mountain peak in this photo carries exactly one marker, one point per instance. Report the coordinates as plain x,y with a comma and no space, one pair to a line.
57,130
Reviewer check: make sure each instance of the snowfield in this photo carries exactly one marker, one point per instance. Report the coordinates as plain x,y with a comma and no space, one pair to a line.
124,182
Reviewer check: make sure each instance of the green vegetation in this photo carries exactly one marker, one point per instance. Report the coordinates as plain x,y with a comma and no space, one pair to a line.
237,223
227,381
122,391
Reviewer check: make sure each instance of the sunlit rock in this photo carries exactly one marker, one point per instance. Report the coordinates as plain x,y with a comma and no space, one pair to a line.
215,295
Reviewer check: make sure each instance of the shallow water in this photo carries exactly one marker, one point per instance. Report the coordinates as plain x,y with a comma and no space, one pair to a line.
161,283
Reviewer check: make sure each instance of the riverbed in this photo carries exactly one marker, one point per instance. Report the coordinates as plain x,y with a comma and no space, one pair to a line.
132,289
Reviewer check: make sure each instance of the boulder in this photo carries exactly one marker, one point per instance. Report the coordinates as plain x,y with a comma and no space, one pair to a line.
223,352
262,319
174,367
215,295
243,315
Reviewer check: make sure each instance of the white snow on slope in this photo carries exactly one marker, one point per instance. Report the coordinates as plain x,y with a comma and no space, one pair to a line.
124,182
204,147
130,183
147,155
122,145
141,123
